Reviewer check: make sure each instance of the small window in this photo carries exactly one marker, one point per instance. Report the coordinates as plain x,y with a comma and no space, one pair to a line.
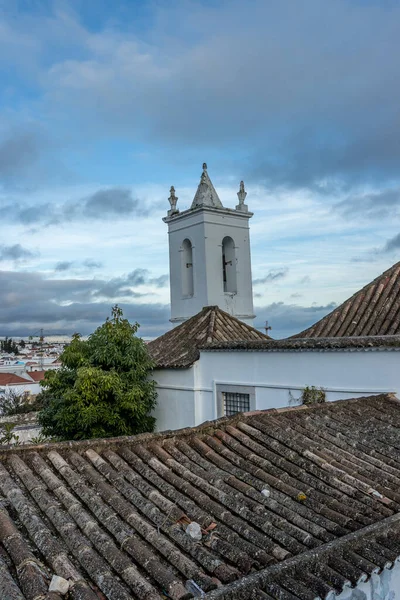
234,403
233,399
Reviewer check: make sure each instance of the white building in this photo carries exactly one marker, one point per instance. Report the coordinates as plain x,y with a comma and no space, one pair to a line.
25,383
202,376
214,363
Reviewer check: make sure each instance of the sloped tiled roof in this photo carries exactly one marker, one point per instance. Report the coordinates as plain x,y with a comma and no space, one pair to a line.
283,498
12,379
37,375
374,310
179,347
361,344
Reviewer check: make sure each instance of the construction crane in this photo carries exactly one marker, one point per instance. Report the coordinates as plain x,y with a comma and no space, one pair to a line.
40,336
41,340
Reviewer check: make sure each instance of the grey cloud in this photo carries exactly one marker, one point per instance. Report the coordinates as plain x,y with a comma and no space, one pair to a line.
308,98
273,275
112,201
161,281
392,244
18,152
306,279
66,265
142,277
63,266
28,301
15,252
89,263
375,205
288,319
123,285
103,204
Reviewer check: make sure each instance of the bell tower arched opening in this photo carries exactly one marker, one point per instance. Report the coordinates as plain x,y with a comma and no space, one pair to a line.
187,269
229,265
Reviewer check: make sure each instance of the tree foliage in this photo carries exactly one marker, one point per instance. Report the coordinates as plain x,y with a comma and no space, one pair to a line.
103,388
9,346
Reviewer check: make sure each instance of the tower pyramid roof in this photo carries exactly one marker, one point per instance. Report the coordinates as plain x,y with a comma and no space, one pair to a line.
206,194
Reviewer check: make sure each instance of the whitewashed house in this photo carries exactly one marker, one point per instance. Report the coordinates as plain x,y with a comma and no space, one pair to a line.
214,363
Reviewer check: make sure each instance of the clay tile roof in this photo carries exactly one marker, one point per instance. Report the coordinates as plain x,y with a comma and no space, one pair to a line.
374,310
179,347
37,375
12,379
366,343
292,503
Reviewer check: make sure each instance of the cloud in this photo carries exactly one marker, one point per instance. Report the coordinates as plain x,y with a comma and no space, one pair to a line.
308,98
308,116
89,263
273,275
392,244
374,205
15,252
123,285
66,265
305,280
63,266
115,202
29,301
18,152
289,319
110,202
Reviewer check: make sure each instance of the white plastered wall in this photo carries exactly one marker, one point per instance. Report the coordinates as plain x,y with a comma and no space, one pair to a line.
206,229
176,398
187,397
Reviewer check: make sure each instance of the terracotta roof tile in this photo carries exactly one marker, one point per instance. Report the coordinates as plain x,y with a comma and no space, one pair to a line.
179,347
362,344
291,503
374,310
37,375
12,379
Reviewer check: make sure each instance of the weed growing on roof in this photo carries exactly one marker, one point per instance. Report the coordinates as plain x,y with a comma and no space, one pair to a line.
309,395
7,435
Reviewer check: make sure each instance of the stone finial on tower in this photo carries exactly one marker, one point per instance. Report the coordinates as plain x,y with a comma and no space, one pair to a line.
242,197
173,199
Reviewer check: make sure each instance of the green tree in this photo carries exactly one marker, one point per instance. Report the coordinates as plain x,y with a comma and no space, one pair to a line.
103,388
9,346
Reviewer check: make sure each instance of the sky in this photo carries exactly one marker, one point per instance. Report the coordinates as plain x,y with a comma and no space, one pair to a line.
105,105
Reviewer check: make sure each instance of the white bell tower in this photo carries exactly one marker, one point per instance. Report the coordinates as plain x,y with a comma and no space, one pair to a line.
209,255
